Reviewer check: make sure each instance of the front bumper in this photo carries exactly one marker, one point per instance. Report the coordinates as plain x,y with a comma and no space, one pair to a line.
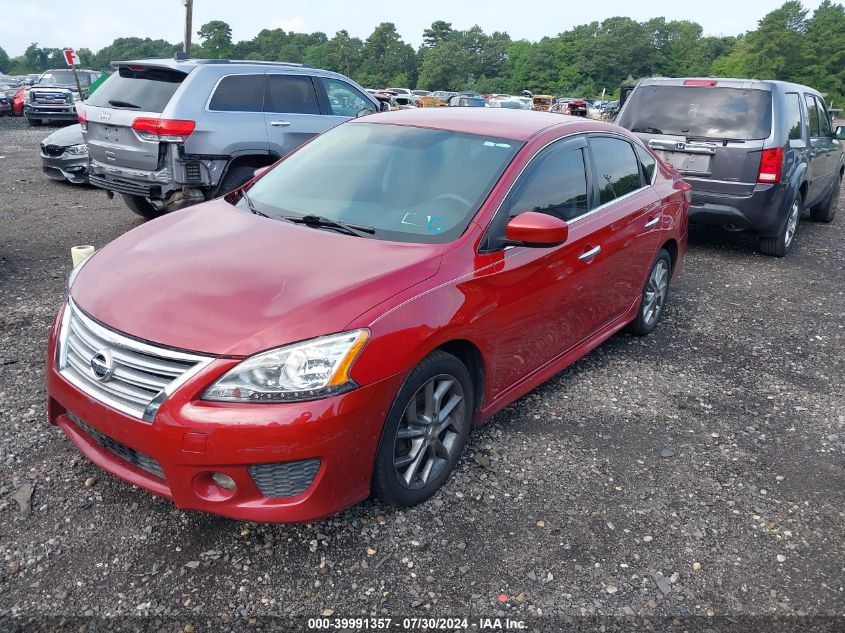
763,210
190,439
73,168
52,113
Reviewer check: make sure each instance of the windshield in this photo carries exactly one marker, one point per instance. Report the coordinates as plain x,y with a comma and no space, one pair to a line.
700,111
409,184
63,78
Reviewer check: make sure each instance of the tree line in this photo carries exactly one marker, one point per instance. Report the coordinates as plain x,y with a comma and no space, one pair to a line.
789,43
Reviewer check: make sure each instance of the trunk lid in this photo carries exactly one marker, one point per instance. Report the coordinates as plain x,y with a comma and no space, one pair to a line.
712,131
130,93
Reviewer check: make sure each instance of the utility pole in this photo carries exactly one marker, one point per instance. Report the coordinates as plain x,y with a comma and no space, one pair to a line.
189,10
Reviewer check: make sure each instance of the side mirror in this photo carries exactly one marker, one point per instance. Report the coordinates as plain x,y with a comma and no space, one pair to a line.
840,132
260,171
384,106
536,230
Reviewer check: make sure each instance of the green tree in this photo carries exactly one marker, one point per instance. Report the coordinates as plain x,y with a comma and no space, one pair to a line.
216,38
444,67
386,57
438,32
824,44
5,62
776,48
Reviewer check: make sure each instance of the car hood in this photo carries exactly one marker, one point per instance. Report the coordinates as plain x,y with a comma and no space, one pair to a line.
215,279
66,136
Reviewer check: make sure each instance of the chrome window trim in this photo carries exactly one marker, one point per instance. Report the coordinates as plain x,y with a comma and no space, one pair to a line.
130,344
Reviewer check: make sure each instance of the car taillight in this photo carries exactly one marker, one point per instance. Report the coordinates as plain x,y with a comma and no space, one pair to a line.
771,165
168,130
83,119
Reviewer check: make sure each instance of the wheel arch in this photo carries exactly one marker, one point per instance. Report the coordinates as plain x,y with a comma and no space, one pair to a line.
470,355
671,247
245,160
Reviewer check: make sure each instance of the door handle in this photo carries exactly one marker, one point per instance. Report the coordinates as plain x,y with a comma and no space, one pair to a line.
590,254
280,123
652,222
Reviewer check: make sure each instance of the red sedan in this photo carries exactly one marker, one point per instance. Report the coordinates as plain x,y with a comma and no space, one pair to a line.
335,327
18,99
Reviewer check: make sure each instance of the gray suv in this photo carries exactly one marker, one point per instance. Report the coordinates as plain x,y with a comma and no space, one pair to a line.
757,153
166,133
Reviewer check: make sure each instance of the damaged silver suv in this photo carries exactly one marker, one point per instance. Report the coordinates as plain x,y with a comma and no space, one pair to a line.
166,133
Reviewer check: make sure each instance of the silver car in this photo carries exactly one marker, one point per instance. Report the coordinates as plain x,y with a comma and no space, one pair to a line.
64,155
166,133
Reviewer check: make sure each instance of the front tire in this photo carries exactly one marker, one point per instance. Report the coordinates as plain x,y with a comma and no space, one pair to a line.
827,211
34,122
425,432
780,244
655,294
142,206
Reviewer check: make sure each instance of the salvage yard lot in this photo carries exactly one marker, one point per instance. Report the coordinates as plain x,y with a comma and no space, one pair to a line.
698,471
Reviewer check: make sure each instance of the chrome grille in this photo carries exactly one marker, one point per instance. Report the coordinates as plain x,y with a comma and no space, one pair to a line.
141,375
52,97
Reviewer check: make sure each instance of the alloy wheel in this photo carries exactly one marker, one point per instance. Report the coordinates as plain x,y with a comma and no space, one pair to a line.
791,223
655,292
428,434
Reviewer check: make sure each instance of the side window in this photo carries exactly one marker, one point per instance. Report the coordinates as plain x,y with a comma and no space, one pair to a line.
238,93
292,94
344,100
824,119
793,115
617,170
648,163
555,184
812,115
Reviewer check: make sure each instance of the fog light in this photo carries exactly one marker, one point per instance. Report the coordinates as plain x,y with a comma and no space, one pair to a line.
224,481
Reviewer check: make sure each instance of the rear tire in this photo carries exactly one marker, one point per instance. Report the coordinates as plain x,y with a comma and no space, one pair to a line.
425,432
654,296
827,211
142,206
780,244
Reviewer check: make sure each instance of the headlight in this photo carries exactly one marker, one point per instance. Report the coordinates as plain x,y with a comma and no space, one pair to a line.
302,371
80,149
76,97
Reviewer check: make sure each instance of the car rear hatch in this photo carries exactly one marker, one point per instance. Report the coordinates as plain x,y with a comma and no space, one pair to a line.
134,93
713,131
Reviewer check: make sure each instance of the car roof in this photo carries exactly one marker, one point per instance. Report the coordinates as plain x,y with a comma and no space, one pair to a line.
515,125
188,64
729,82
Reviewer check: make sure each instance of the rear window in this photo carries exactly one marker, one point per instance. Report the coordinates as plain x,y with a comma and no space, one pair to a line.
706,112
138,88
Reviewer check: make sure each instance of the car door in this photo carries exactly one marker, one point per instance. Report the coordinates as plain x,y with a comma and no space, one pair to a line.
235,115
549,299
632,212
818,153
829,145
292,113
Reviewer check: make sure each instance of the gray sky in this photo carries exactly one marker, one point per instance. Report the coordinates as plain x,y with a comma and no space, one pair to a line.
95,23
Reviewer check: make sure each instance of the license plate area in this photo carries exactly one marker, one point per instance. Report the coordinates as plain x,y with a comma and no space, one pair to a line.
110,132
698,164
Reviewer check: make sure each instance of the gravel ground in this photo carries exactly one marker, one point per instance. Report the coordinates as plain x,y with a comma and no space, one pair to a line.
696,474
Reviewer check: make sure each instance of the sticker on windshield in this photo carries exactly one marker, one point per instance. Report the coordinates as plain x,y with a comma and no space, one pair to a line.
492,144
431,223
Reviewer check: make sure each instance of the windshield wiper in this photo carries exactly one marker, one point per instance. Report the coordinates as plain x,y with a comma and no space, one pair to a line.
715,139
123,104
647,130
245,197
320,221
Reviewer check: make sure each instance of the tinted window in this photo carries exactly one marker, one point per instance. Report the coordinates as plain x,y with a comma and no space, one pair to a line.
793,115
150,89
344,100
409,184
63,78
824,120
291,93
699,111
238,93
648,163
617,170
556,184
812,115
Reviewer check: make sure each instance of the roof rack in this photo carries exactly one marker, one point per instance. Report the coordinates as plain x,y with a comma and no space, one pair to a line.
258,62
